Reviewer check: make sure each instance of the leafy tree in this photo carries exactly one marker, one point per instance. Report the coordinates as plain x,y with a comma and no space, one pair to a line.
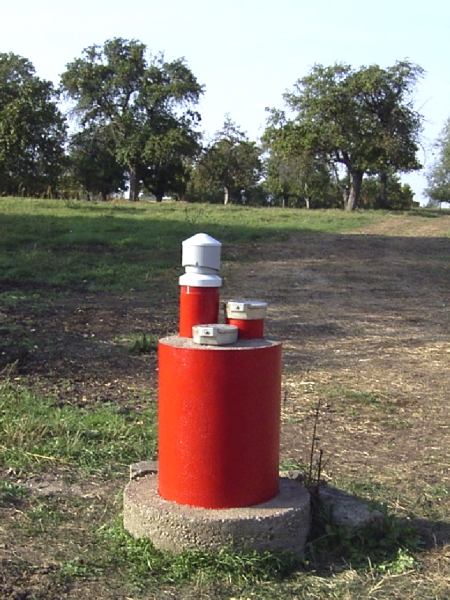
171,150
293,172
395,126
438,176
360,120
32,130
93,162
147,105
401,196
229,168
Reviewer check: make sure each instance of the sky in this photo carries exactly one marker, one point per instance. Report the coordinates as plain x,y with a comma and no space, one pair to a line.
248,53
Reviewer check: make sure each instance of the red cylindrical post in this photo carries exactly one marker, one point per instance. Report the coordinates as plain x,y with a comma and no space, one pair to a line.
219,422
248,329
198,306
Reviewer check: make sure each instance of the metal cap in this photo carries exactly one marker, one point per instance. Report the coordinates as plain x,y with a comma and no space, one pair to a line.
215,334
246,309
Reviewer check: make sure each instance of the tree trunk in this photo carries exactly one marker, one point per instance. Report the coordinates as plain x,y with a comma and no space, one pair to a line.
384,194
354,194
284,197
134,185
226,194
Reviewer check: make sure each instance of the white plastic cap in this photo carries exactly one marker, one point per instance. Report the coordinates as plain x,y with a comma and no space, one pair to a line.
201,250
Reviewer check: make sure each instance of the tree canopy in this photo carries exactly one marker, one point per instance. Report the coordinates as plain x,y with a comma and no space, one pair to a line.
229,168
438,176
32,130
93,163
146,104
136,123
293,170
360,120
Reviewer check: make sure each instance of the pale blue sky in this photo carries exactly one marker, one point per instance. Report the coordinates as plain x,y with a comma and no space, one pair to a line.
247,53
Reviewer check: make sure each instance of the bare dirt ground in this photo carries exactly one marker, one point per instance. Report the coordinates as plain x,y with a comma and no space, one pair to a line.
365,322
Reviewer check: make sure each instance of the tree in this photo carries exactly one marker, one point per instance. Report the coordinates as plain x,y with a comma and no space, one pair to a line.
294,172
147,105
396,126
438,176
93,163
170,150
360,120
401,196
32,130
229,168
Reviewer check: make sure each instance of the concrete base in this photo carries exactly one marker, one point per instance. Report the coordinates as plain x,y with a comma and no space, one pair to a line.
277,525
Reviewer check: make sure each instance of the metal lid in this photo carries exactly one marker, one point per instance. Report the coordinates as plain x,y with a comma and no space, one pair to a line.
215,334
246,309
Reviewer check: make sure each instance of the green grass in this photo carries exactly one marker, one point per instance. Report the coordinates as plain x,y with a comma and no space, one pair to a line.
11,494
143,344
389,545
139,561
37,432
122,246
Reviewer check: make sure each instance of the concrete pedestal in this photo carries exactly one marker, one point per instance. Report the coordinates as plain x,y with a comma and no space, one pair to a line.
280,524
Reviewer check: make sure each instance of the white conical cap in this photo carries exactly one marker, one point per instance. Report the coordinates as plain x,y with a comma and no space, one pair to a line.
201,250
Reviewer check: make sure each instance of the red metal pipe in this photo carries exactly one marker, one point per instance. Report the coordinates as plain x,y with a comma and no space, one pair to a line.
248,329
219,422
198,306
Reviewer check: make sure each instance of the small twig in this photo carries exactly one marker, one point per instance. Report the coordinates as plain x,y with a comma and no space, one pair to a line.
49,458
319,467
313,442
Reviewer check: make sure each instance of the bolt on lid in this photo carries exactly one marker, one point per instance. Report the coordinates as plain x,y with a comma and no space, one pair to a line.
246,309
215,334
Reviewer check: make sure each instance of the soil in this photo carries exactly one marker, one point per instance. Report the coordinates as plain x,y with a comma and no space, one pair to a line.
365,324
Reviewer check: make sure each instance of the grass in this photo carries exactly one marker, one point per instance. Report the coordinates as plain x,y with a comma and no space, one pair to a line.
140,560
37,432
11,494
106,552
117,247
390,545
144,344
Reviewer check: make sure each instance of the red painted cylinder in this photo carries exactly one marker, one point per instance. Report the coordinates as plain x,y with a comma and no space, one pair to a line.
198,306
219,422
248,329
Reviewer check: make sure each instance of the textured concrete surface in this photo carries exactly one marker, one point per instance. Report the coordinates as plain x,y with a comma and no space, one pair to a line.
279,524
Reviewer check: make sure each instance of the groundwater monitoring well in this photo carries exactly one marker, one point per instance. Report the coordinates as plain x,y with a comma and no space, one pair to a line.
217,482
